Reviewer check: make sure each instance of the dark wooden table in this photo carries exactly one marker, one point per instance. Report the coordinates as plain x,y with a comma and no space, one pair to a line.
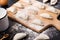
15,27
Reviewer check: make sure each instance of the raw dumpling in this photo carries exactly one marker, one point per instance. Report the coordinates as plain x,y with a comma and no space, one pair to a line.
42,37
22,14
37,22
52,9
18,4
26,1
19,36
46,15
37,27
38,5
12,9
53,2
44,1
32,9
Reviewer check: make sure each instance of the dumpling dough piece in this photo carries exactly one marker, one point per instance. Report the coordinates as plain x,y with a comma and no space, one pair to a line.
37,22
37,27
46,15
32,9
38,5
26,1
18,4
22,14
45,1
12,9
42,37
19,36
53,2
52,9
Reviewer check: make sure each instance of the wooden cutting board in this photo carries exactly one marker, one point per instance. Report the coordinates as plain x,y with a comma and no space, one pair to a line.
38,28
